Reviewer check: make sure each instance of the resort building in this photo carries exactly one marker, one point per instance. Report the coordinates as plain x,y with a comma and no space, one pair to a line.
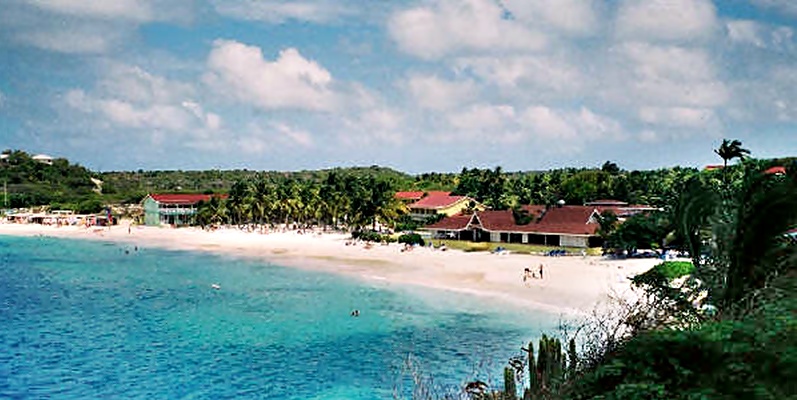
172,209
562,225
434,203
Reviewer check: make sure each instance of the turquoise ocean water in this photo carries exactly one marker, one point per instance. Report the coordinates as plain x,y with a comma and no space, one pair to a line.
85,320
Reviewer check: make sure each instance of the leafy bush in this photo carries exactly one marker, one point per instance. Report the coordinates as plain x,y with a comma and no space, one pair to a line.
750,358
411,239
665,272
406,223
371,236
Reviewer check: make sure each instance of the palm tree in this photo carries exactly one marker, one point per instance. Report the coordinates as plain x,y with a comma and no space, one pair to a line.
737,240
730,149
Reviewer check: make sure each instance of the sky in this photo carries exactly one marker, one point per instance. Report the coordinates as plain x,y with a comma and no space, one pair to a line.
417,85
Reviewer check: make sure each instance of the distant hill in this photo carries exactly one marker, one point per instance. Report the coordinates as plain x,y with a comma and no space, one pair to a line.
37,180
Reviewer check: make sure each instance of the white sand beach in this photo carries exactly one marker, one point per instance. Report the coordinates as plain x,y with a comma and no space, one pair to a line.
571,285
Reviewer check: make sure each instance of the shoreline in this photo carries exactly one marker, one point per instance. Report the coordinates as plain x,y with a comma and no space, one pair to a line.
573,285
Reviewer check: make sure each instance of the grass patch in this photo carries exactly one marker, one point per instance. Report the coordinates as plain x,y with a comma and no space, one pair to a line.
512,247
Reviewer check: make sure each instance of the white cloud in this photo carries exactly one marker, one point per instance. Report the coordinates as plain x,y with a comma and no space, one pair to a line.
483,117
578,17
134,84
444,27
534,74
669,20
128,96
240,72
539,124
88,39
136,10
643,74
547,123
373,125
696,118
771,96
764,36
84,27
669,62
438,94
277,11
296,136
748,32
210,120
785,6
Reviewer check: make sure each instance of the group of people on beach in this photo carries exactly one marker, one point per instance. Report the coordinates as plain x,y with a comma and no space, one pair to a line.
528,274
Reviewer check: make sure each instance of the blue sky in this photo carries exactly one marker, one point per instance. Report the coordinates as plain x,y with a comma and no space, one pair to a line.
428,85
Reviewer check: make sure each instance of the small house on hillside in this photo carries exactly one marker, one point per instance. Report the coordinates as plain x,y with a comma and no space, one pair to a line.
43,158
172,209
434,203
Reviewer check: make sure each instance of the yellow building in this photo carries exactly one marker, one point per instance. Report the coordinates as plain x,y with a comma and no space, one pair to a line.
433,203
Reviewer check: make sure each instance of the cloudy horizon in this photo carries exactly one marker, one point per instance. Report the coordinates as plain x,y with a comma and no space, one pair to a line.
427,85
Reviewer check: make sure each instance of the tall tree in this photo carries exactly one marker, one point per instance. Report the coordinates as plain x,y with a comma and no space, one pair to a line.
730,149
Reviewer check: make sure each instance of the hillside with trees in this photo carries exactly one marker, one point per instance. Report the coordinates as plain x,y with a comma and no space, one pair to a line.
28,182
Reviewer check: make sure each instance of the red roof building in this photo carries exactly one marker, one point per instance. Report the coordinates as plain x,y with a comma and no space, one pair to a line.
571,226
438,202
409,196
184,199
778,170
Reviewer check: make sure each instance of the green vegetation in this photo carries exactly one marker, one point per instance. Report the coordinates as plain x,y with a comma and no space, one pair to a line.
31,183
354,201
726,331
512,247
668,270
411,239
370,236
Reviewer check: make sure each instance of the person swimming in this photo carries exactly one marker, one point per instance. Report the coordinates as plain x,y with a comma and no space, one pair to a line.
355,313
216,286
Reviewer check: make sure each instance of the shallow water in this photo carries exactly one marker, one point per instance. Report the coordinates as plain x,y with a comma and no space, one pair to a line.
82,319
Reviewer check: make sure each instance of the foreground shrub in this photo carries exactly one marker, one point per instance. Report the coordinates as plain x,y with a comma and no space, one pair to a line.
370,236
411,239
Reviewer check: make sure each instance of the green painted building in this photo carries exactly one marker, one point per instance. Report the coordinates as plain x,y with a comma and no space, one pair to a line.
171,209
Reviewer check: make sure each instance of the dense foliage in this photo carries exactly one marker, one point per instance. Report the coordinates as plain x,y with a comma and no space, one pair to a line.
29,182
262,199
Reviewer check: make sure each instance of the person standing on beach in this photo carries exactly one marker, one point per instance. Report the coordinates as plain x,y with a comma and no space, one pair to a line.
540,271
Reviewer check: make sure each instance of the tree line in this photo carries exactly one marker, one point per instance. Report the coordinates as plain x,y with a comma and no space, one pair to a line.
356,201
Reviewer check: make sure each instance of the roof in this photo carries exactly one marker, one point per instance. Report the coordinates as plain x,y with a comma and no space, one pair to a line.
42,157
606,202
453,223
567,220
184,198
776,170
437,200
409,195
713,167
